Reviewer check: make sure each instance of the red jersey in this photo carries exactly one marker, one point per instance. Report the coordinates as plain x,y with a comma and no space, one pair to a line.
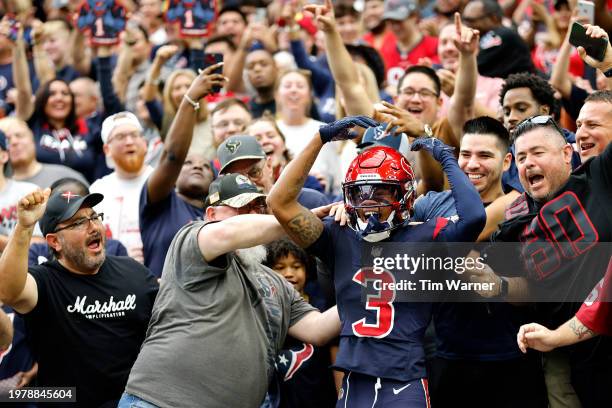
596,311
396,62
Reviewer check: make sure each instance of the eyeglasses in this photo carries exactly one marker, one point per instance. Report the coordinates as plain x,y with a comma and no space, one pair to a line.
256,171
81,223
224,124
257,207
120,137
535,121
423,93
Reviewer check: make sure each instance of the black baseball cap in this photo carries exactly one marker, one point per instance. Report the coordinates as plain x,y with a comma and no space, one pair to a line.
239,147
62,206
234,190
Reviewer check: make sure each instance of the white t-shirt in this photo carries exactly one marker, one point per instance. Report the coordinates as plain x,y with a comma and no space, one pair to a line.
9,197
121,207
328,161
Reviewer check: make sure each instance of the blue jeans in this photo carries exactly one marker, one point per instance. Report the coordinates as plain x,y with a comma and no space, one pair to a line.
132,401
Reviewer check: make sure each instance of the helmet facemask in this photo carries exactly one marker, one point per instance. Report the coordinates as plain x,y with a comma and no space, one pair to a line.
377,208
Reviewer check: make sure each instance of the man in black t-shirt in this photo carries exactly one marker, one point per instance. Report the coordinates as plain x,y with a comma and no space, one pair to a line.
86,313
563,221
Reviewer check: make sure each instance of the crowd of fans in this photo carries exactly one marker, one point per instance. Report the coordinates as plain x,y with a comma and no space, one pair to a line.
115,155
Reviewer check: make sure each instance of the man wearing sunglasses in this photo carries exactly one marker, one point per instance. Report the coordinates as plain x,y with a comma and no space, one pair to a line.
224,312
86,312
562,218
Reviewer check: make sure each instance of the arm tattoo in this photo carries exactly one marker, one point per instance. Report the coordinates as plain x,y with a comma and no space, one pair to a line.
579,329
305,228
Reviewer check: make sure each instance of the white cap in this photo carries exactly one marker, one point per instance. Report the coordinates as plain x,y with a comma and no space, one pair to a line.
118,119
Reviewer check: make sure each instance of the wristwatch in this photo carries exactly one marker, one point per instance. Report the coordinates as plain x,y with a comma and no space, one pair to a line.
503,292
428,131
608,73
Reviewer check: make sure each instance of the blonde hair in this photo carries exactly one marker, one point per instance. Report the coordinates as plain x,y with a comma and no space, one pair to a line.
168,104
268,117
11,122
306,75
55,27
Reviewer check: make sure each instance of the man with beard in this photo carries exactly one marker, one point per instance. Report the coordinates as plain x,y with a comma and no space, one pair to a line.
164,208
479,337
86,313
125,149
565,210
221,316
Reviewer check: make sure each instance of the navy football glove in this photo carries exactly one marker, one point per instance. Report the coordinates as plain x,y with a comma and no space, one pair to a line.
341,129
434,146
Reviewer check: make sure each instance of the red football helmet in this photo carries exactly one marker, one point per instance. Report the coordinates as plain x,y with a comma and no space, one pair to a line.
379,177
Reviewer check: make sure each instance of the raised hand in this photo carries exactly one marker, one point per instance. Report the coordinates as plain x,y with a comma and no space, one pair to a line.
434,146
31,208
594,31
402,120
164,53
466,40
203,84
323,15
341,129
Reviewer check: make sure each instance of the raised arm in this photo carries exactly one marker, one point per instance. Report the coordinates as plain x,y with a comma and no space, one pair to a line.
162,180
341,64
236,69
112,103
461,106
121,75
81,53
151,84
18,288
606,64
24,106
559,77
219,238
43,66
301,225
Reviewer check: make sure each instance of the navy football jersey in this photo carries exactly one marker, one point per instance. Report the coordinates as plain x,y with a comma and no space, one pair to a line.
380,337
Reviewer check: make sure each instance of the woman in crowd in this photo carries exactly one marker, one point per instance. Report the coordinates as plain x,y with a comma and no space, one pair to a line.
162,112
293,97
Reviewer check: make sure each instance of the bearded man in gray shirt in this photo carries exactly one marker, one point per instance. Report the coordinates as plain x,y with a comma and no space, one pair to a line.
221,317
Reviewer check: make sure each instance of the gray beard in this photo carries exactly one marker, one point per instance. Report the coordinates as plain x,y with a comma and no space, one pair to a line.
251,257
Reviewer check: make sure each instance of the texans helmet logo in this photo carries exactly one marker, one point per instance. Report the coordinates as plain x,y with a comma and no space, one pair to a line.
290,361
232,146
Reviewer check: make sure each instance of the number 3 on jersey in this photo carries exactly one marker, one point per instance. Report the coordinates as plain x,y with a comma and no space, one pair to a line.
380,302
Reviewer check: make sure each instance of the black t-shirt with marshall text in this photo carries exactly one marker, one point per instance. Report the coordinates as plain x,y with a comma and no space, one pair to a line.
86,330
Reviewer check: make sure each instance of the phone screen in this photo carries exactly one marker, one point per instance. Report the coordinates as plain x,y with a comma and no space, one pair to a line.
594,47
212,59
